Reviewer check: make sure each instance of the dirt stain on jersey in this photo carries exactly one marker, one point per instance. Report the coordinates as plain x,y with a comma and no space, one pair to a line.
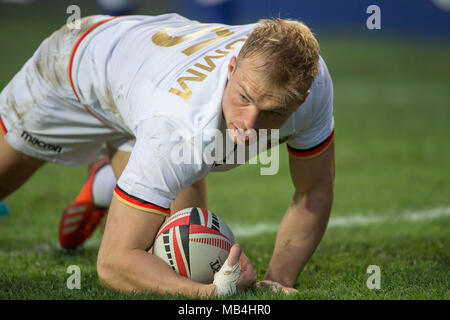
109,103
12,103
54,54
49,66
20,107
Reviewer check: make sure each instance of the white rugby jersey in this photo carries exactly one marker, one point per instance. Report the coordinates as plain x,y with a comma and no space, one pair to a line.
152,76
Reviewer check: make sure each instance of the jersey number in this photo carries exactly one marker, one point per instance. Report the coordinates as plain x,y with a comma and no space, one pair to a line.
163,39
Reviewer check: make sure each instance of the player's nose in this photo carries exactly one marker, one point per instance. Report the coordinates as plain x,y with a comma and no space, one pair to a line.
251,117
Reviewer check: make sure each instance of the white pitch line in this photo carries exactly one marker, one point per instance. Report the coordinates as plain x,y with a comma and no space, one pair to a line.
347,221
261,228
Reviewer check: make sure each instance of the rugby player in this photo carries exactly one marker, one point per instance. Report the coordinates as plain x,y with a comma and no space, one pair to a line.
130,82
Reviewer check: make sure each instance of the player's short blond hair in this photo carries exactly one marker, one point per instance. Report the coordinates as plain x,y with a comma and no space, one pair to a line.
290,57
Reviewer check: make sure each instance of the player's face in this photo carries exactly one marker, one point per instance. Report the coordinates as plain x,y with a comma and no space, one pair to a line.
245,107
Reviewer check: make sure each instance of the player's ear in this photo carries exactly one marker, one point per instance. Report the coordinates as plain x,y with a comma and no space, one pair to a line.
231,66
304,98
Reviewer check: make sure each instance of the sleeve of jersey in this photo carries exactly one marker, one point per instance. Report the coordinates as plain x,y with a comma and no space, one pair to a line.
139,203
319,135
152,178
314,151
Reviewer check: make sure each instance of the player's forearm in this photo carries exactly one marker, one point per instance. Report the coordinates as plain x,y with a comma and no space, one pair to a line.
139,271
299,234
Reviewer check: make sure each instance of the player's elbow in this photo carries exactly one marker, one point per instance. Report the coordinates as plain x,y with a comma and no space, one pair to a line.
319,198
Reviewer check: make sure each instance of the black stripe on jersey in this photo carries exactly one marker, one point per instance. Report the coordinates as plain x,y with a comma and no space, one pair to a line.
310,149
138,199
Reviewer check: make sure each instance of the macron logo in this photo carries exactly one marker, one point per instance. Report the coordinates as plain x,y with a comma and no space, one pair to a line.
39,143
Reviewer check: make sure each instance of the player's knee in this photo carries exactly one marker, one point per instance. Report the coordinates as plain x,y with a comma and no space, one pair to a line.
105,272
110,269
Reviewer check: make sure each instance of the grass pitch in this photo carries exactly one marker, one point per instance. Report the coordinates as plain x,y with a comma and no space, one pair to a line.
391,206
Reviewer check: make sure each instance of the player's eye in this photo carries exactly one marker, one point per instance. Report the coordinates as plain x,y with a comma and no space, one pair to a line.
243,98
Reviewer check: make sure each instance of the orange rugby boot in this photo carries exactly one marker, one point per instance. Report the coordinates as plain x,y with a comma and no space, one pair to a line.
82,216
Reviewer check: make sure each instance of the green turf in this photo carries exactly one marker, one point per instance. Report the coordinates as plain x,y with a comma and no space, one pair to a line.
392,157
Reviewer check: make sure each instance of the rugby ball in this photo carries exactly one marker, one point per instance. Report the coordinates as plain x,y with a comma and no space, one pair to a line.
195,243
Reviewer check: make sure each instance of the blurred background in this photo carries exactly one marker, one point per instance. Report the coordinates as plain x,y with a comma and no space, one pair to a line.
415,17
392,113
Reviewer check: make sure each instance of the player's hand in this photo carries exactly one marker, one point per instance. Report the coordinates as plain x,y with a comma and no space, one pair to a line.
236,274
275,287
247,278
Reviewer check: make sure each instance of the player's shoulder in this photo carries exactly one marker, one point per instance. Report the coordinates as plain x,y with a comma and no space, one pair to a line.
321,91
318,105
323,75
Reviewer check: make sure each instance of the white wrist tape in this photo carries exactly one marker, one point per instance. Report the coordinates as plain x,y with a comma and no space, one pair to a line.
226,278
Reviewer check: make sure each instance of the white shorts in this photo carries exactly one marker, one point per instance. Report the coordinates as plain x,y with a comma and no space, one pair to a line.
40,115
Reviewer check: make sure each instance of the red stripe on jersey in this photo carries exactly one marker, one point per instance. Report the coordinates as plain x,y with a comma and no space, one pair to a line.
313,151
140,204
2,126
72,55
